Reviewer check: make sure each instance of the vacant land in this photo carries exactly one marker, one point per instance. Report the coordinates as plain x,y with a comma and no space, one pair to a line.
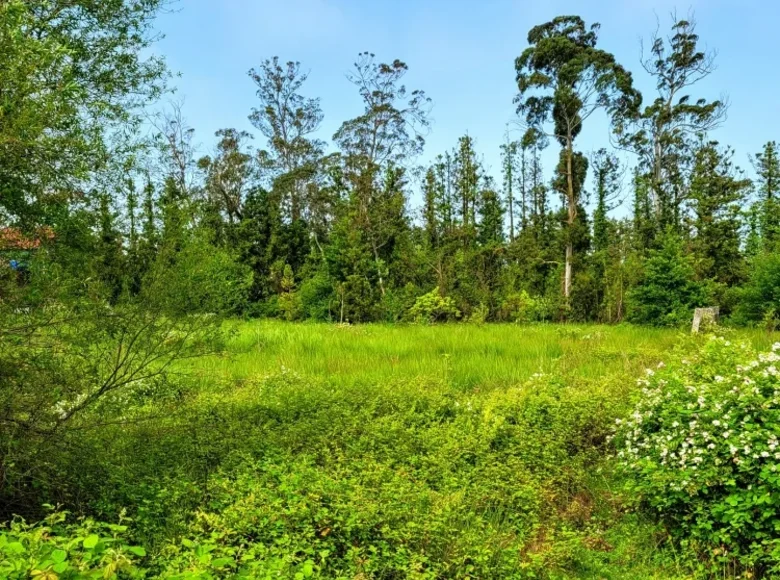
462,356
363,452
431,451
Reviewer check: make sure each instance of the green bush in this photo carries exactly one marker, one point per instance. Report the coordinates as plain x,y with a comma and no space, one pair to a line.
433,307
702,450
759,299
58,549
667,291
522,307
198,278
316,297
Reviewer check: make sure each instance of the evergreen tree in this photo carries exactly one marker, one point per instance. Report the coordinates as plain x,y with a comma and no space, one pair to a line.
667,291
664,133
510,174
767,166
718,192
563,78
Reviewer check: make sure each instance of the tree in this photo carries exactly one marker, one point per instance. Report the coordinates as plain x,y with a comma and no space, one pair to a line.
759,299
287,119
509,173
767,166
607,174
490,227
176,148
563,79
73,73
375,145
667,291
466,179
229,174
717,194
663,134
430,209
390,128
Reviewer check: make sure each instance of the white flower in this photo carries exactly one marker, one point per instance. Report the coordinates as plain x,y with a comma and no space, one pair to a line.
719,379
716,423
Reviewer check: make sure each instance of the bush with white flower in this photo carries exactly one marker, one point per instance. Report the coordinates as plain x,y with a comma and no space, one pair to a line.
702,449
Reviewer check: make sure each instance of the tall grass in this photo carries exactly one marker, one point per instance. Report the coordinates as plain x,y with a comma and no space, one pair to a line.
464,356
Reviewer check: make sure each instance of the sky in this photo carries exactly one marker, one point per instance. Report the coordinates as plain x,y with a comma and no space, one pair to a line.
461,53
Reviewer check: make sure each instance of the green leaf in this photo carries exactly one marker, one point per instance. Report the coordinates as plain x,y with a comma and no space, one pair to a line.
222,562
137,550
91,541
59,556
15,548
60,567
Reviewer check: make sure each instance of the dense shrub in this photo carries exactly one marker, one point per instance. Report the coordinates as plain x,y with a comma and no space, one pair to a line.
667,291
197,278
57,548
759,299
522,307
703,451
433,307
316,297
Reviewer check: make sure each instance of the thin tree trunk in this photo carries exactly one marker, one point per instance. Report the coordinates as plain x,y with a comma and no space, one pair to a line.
511,215
572,216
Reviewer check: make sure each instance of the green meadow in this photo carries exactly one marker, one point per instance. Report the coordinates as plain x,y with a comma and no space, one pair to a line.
463,356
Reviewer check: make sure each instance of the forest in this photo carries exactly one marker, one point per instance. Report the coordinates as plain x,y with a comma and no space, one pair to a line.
333,359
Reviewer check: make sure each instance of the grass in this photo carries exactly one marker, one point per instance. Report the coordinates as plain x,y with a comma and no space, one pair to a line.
464,356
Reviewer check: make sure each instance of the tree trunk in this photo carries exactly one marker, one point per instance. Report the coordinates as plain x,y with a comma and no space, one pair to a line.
511,213
572,215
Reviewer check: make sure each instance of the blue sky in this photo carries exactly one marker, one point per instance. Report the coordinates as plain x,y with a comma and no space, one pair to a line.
461,52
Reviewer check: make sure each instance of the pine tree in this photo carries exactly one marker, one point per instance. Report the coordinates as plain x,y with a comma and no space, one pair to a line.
718,191
510,174
767,166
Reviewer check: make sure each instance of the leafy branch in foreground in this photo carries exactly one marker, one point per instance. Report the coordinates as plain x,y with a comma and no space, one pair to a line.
69,367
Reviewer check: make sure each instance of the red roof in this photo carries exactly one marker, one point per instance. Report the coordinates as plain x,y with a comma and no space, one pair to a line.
15,239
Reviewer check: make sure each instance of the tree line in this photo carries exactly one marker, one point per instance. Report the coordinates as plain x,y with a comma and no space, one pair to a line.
301,229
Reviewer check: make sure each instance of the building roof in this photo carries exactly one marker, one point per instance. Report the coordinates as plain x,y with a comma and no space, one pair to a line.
15,239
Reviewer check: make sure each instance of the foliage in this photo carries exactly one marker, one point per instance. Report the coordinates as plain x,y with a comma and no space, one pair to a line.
521,307
371,453
197,278
667,291
433,307
60,547
69,364
760,296
72,72
701,447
